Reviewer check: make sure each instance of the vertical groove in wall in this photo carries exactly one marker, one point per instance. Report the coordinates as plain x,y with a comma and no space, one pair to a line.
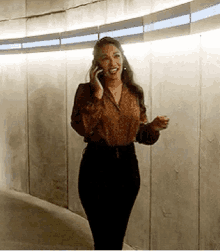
150,97
28,143
26,14
200,128
151,157
66,120
190,16
106,11
27,117
67,141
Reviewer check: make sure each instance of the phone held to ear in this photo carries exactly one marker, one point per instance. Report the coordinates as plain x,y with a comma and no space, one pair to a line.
100,74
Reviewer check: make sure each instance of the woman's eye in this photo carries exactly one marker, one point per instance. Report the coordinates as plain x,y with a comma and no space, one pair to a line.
117,55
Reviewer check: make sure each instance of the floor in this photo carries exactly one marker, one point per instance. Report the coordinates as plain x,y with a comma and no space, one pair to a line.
29,223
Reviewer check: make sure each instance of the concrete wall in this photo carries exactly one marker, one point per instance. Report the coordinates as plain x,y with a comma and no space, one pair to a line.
20,18
78,63
46,76
175,93
177,207
210,138
13,126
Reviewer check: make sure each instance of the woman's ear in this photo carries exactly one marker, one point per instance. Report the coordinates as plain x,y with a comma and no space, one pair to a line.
95,63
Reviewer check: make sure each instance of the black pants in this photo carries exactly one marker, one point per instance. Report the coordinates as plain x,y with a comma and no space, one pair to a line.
109,182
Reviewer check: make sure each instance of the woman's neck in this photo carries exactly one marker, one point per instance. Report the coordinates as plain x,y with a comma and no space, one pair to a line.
112,84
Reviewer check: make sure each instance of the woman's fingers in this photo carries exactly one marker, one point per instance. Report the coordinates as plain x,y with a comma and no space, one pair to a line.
163,118
97,72
93,73
162,122
94,80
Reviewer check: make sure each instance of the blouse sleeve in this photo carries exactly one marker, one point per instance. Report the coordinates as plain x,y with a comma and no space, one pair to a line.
146,134
87,111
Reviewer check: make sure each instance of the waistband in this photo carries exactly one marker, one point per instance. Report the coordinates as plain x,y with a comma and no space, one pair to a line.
117,150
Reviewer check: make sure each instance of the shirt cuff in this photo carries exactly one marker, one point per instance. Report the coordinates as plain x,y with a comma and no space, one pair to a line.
156,133
147,135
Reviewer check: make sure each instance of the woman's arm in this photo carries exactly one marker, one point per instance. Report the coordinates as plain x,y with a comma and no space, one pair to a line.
149,133
146,134
87,110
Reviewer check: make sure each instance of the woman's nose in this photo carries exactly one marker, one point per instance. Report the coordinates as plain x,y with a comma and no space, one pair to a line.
112,62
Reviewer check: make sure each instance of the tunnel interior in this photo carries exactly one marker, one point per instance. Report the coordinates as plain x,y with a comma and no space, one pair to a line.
174,50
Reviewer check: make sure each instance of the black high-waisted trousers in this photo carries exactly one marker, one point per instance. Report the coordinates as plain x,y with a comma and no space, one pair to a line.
109,182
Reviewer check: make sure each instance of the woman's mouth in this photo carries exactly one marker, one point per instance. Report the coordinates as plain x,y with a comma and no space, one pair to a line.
113,70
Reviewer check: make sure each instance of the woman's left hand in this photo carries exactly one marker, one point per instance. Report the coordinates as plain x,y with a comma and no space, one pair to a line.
160,123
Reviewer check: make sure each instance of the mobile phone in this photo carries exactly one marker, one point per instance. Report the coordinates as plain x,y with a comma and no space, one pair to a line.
100,74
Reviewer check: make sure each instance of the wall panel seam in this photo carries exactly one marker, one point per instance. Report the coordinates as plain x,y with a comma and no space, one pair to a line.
200,123
27,118
27,85
150,202
67,135
86,4
46,14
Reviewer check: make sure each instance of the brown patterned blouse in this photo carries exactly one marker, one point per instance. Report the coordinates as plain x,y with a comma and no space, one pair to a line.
104,119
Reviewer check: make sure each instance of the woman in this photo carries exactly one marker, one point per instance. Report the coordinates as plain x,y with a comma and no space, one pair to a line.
110,114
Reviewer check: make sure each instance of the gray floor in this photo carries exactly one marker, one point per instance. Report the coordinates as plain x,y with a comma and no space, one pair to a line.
30,223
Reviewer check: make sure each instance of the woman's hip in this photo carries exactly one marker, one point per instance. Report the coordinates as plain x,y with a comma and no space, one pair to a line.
101,167
109,161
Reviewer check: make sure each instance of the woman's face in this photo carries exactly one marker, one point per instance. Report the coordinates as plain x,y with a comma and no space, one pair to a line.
111,61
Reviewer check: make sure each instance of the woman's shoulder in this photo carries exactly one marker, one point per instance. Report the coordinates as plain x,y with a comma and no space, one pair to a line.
135,89
83,89
84,86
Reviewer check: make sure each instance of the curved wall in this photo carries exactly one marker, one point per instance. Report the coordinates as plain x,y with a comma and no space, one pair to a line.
177,206
20,18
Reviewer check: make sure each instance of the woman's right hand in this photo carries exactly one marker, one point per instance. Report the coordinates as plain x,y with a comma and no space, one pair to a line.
98,88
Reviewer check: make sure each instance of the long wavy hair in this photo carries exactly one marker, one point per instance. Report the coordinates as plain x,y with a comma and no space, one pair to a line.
127,73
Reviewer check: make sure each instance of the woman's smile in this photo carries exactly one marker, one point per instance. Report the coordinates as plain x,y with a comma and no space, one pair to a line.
111,61
113,70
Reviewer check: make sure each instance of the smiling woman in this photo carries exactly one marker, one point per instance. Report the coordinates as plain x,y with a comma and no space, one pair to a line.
116,59
110,114
111,62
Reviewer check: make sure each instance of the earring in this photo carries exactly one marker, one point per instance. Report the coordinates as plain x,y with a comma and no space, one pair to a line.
125,68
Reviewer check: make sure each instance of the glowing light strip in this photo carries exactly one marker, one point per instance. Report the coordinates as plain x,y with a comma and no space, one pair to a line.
10,46
123,32
106,34
41,43
185,19
167,23
203,14
79,39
